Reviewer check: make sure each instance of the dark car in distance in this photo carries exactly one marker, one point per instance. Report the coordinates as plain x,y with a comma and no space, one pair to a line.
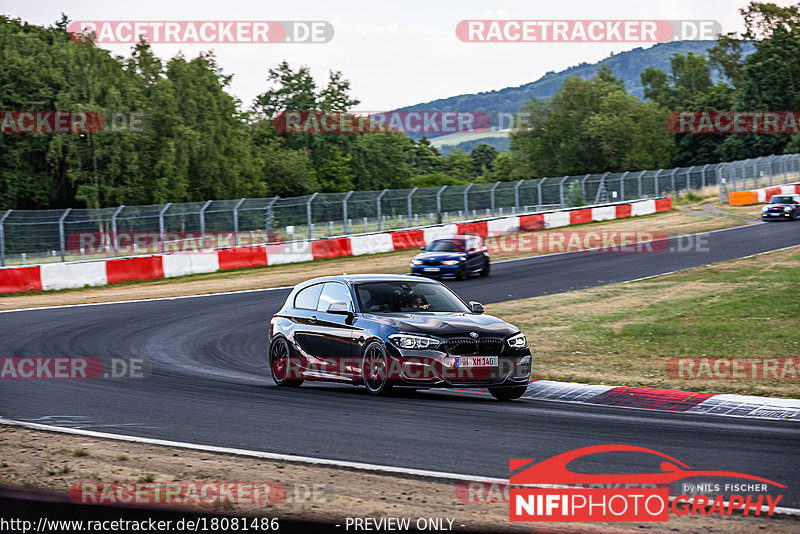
459,256
386,331
781,208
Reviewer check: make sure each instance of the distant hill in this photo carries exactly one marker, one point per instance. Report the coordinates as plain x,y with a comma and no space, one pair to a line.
501,143
628,65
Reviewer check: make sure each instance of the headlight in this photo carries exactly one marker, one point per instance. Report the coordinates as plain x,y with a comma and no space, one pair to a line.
787,209
518,341
764,209
407,341
450,262
416,262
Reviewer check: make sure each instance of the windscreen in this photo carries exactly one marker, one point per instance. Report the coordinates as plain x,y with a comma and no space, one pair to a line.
447,245
781,200
407,297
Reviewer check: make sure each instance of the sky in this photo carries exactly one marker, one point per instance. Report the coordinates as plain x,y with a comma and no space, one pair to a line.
395,54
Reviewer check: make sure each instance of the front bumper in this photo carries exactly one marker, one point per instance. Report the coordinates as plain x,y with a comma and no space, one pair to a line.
776,216
437,368
440,271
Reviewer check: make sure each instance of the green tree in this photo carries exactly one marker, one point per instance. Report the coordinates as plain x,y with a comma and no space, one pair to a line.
590,126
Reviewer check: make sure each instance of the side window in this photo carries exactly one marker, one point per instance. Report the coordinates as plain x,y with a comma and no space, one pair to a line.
307,298
334,292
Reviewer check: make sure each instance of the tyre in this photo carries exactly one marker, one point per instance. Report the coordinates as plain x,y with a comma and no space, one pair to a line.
508,393
280,364
375,370
485,270
461,274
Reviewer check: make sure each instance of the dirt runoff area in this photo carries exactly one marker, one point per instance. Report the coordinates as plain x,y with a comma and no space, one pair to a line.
672,223
35,459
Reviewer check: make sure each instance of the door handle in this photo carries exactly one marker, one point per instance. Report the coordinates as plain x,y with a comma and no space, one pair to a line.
312,319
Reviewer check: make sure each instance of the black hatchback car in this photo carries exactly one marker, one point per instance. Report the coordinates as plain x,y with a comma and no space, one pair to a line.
384,331
781,208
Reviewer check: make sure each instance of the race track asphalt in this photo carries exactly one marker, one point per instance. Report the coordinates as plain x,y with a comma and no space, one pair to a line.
207,382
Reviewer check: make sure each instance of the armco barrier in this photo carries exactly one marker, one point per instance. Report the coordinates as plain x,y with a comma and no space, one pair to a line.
755,196
101,272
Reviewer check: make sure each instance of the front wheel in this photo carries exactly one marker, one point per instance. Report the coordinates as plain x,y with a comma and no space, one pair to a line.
461,274
505,394
375,370
485,270
281,366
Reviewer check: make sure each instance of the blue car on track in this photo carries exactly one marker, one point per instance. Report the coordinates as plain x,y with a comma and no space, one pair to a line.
459,256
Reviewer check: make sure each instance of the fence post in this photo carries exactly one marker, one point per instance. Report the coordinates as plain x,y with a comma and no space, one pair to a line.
439,203
236,222
409,204
344,211
703,177
3,239
308,215
583,186
785,175
689,178
268,222
622,185
466,200
491,192
655,181
721,182
114,228
61,231
600,187
203,224
378,201
639,181
539,193
516,195
561,190
161,231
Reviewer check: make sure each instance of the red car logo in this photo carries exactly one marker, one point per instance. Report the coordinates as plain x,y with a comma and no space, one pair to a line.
554,470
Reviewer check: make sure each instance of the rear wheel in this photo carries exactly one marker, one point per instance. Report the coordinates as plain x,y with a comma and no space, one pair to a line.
375,370
485,270
508,393
280,364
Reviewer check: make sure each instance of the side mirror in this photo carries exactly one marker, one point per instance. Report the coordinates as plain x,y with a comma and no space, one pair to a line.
339,308
476,307
422,248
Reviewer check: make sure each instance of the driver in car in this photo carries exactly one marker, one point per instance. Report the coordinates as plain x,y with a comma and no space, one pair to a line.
416,302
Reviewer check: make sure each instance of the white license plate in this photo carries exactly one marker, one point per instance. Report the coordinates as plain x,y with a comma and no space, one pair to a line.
431,269
476,361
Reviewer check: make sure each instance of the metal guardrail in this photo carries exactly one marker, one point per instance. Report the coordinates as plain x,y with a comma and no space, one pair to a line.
33,236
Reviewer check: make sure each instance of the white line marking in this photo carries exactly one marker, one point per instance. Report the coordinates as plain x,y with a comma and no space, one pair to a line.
256,454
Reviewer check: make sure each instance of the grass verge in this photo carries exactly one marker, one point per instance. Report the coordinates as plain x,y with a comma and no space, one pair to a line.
624,334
